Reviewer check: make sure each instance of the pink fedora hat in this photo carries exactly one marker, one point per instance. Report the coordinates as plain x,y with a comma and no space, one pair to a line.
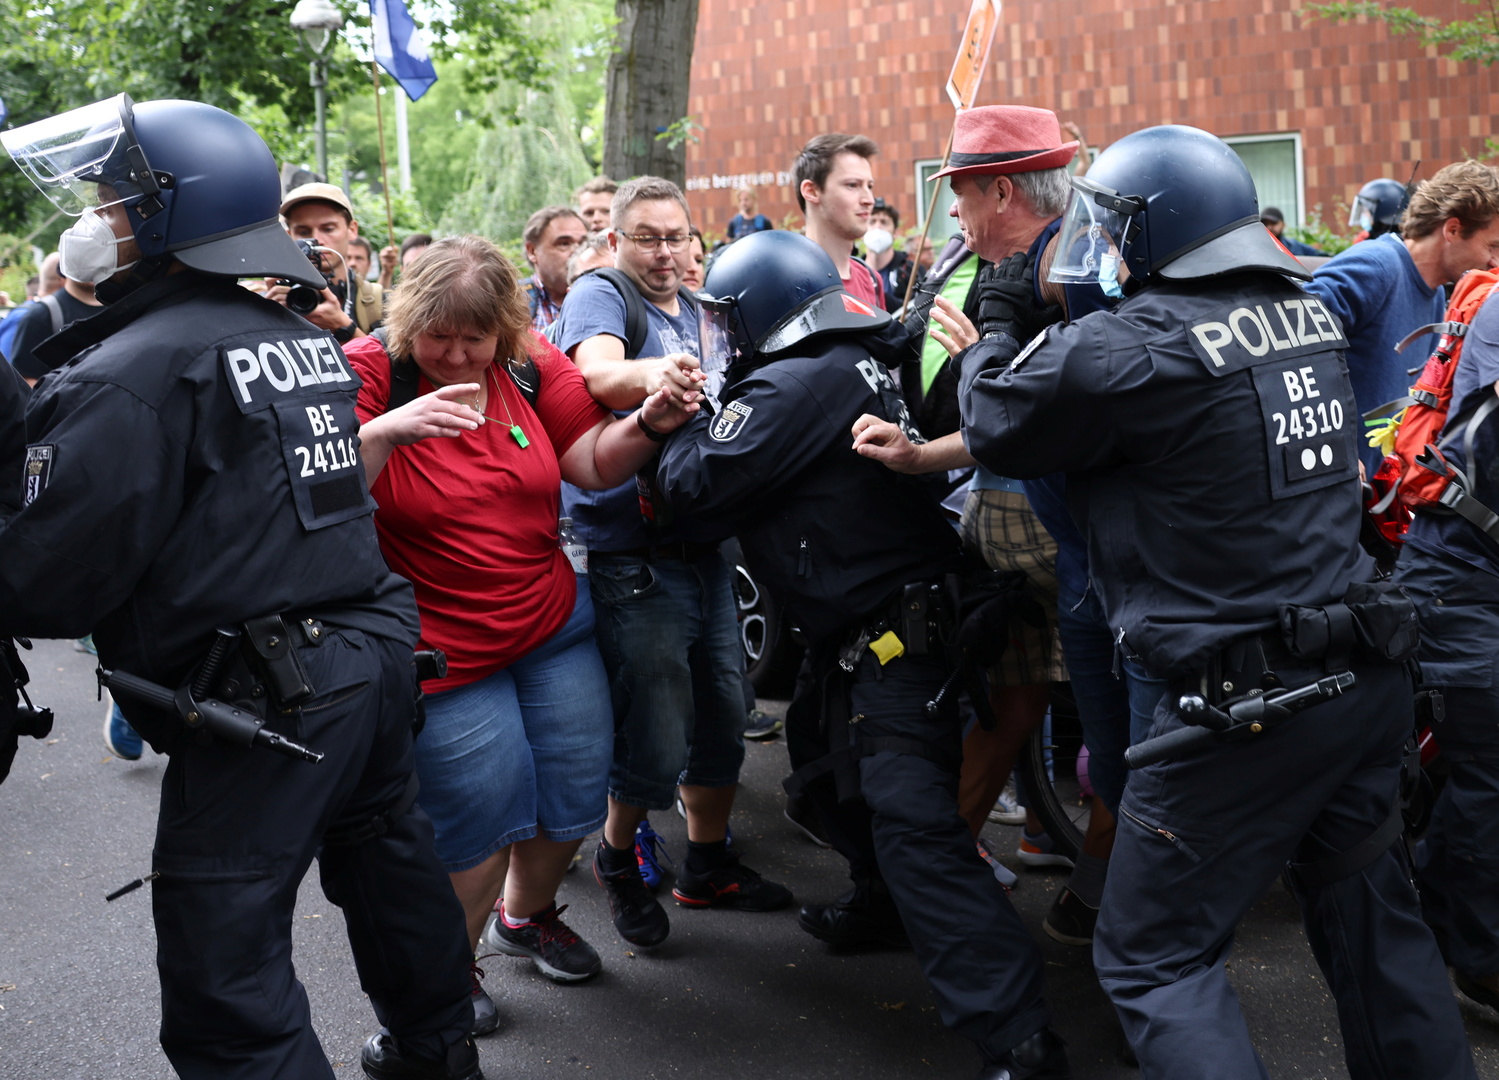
1007,139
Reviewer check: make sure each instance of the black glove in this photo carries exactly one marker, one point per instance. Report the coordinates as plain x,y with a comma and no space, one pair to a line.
1006,297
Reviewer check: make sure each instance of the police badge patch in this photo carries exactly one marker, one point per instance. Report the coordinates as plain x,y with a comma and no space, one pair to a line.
38,471
730,422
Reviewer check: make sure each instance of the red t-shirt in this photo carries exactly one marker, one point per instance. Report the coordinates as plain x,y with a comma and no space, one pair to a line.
471,521
864,284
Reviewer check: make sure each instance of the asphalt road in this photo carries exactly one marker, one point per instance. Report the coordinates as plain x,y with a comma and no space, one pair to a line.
731,996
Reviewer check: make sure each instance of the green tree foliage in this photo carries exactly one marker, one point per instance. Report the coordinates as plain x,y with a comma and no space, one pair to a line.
241,55
1475,39
444,126
544,142
520,166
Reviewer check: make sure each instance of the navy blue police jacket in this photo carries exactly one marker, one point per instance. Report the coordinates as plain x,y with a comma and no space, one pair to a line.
194,464
13,395
1208,430
831,534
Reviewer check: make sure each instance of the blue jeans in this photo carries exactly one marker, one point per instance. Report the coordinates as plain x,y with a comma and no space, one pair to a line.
1115,713
670,641
522,752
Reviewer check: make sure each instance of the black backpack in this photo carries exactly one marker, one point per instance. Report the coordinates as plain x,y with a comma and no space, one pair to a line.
404,376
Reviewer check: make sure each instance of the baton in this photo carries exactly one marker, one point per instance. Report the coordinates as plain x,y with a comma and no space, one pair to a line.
1247,716
218,719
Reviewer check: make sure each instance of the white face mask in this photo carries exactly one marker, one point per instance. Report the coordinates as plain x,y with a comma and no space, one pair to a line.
878,241
89,251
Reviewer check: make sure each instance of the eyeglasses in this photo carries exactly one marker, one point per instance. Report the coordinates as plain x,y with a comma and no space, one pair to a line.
650,244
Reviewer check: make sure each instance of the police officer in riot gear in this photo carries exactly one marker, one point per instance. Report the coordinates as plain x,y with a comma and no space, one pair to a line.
1378,207
192,475
853,550
1208,428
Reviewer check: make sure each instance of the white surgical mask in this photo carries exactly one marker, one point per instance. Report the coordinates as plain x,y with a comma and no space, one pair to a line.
1108,276
878,241
89,251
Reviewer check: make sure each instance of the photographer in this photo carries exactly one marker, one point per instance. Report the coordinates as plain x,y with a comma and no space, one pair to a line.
323,214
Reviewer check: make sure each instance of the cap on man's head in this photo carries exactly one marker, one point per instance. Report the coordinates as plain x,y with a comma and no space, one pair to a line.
1271,215
1004,139
330,193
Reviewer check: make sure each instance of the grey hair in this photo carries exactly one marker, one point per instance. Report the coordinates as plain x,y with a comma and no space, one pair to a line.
597,243
1046,191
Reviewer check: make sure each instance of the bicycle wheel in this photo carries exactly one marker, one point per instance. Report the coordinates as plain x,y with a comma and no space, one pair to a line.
1048,765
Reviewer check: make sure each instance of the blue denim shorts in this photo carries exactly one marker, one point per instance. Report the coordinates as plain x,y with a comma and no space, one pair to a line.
669,636
522,752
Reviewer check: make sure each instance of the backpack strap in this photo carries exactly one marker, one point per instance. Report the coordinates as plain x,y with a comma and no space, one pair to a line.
404,376
54,306
636,326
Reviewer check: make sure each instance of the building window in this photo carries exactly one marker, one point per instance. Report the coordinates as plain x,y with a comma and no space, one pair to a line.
944,226
1275,163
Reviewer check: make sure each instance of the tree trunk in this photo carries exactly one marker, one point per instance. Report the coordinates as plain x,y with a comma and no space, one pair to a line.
649,72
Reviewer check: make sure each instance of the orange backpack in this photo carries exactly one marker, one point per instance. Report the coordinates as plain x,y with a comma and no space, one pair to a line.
1415,474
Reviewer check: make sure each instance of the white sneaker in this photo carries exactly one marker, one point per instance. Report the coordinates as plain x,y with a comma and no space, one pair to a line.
1007,809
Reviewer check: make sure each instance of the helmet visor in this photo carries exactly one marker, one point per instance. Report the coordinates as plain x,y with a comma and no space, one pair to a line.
1092,234
715,339
1361,214
67,156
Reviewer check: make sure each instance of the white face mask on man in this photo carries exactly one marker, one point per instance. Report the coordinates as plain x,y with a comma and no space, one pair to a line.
89,250
878,241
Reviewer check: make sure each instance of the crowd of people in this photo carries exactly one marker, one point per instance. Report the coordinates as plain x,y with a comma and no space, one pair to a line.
1107,435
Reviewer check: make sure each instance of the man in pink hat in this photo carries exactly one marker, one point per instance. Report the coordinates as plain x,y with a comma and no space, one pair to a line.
1010,182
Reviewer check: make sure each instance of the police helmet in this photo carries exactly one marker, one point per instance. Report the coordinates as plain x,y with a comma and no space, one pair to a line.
773,291
196,183
1378,206
1172,201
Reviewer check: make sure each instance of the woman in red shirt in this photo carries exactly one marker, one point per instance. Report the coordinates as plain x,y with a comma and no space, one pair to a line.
514,758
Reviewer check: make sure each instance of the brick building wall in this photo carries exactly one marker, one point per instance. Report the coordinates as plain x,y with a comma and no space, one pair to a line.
769,74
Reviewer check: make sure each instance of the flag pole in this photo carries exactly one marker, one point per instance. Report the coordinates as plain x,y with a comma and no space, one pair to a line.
390,218
931,208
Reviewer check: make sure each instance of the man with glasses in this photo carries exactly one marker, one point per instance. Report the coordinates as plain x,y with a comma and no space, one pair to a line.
667,627
551,235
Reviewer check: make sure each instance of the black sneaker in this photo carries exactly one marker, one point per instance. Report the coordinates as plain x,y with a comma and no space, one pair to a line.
557,952
1070,921
638,916
761,726
486,1016
1480,990
1041,1057
383,1059
731,885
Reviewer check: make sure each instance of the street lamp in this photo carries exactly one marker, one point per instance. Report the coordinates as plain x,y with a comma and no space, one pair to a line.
318,21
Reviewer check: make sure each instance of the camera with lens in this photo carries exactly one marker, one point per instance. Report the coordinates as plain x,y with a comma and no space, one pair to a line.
303,299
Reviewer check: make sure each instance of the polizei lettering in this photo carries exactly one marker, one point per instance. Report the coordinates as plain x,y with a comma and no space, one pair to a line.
268,370
1261,333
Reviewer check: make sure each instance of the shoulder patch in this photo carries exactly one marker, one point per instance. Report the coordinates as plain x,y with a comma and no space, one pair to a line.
730,421
38,471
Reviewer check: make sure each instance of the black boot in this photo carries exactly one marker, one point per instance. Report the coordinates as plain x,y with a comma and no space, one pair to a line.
383,1059
1041,1057
865,916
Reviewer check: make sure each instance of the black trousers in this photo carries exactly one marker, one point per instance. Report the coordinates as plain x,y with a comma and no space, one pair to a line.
982,963
238,831
1202,837
1457,862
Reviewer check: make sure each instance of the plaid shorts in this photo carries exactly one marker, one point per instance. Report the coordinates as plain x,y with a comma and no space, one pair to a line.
1001,528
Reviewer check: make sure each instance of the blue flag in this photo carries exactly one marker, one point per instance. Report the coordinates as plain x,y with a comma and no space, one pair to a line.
399,49
3,113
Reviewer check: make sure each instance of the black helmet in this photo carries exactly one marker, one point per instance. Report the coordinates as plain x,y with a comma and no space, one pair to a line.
773,291
1378,206
1172,201
196,182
